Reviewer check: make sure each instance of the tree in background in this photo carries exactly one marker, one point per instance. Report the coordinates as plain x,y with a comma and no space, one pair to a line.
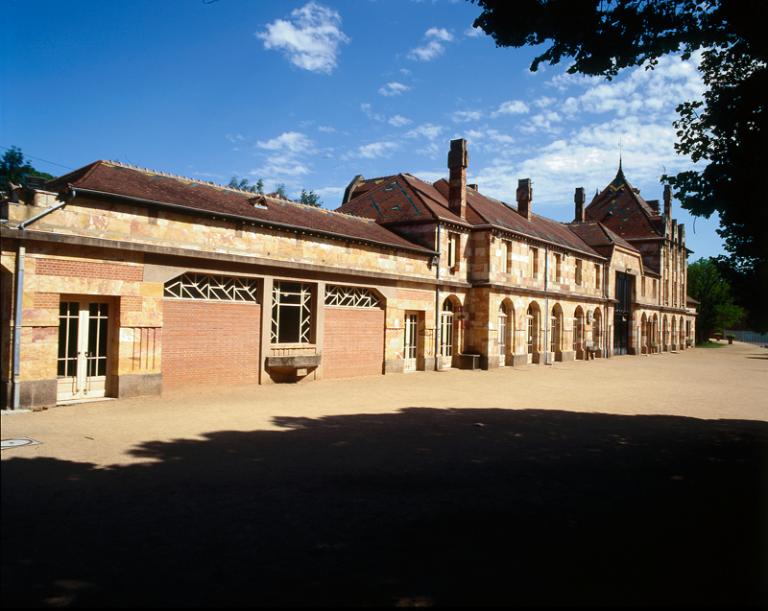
310,198
280,191
244,185
726,131
15,169
716,310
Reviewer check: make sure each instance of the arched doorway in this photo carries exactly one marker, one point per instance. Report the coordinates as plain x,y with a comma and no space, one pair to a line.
597,332
681,333
450,315
556,331
673,339
655,340
578,334
665,334
643,334
533,322
506,333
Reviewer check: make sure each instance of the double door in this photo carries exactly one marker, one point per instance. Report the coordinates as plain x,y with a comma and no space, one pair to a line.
83,348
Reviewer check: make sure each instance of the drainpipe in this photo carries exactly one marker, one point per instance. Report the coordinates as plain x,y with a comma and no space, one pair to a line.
546,306
437,301
607,318
17,306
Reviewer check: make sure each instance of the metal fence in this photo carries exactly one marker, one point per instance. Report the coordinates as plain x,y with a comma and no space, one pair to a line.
750,337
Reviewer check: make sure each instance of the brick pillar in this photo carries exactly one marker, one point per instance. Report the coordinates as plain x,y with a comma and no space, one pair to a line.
458,160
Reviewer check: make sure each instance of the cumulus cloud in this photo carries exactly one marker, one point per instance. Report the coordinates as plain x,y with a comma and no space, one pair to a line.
428,131
375,150
511,107
310,39
473,32
392,89
293,142
434,46
463,116
399,121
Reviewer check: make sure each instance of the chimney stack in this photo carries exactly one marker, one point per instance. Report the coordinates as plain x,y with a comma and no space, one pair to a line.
524,197
458,160
667,201
654,204
579,199
681,232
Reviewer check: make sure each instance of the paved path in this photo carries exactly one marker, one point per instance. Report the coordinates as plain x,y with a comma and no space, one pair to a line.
635,480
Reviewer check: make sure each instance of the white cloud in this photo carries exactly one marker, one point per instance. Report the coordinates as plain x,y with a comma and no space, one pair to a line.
463,116
293,142
434,46
281,165
481,138
399,121
511,107
428,131
544,102
310,39
542,121
439,34
368,111
374,150
326,129
473,32
235,138
392,89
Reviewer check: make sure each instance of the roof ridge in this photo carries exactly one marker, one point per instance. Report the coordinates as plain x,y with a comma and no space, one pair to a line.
215,185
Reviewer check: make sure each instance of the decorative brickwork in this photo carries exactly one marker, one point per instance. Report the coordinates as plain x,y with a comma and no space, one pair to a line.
88,269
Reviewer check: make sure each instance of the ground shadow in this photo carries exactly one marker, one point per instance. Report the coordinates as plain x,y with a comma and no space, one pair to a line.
426,506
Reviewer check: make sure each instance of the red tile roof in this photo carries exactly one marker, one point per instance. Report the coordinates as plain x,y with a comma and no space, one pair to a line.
126,181
404,198
598,235
623,210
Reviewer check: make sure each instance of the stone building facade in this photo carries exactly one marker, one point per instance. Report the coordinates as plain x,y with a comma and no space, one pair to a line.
119,281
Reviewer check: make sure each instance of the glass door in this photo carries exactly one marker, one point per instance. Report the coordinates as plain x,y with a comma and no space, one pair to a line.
83,346
411,331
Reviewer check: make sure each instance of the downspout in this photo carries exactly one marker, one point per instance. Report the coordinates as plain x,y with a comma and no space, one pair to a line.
437,300
17,305
607,317
546,306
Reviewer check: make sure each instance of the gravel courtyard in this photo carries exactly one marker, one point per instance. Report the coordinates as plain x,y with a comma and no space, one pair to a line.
628,480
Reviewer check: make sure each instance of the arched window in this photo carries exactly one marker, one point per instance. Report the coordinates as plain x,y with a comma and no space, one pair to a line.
446,328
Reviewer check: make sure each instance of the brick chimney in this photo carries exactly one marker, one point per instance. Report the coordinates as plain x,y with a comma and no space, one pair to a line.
524,197
667,201
681,230
580,199
458,160
654,204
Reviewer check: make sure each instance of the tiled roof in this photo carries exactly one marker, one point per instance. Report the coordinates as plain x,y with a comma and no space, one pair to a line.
598,235
126,181
398,198
623,210
482,209
405,198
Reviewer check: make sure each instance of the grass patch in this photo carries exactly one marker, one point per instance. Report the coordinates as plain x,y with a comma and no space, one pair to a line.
710,344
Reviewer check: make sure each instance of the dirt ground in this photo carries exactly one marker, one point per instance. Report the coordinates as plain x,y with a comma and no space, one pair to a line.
632,480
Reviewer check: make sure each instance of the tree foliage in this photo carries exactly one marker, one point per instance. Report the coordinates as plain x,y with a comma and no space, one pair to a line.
14,168
716,310
244,185
726,131
310,198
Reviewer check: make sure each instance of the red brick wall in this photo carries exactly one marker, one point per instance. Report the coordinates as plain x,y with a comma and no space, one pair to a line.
354,342
87,269
207,343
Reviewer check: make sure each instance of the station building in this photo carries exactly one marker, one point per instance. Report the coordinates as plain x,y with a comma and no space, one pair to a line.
119,281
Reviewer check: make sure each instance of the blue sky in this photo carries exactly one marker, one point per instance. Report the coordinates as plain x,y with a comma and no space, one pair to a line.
311,94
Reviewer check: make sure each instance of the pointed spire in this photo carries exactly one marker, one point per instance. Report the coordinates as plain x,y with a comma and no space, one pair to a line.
620,179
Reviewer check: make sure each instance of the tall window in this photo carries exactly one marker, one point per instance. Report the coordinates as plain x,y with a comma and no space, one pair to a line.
578,272
454,242
291,313
642,286
446,329
506,253
556,330
533,329
534,263
597,276
558,268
